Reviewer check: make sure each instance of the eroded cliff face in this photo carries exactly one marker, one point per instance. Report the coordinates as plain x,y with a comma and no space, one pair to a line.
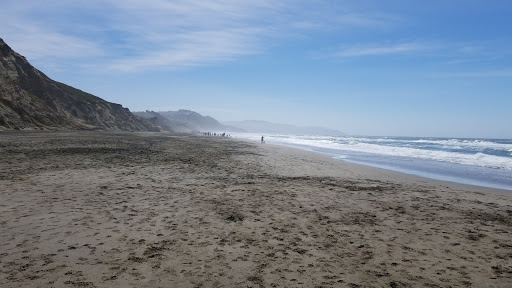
31,100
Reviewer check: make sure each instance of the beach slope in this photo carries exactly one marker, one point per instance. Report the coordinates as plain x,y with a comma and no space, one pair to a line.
95,209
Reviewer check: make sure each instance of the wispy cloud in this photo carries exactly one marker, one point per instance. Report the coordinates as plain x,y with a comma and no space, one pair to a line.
382,50
54,45
134,35
34,39
191,49
131,35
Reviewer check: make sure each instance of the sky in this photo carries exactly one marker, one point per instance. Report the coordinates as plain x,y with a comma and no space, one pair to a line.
366,67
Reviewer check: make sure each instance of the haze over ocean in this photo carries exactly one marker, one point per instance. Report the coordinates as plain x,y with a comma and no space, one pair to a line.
436,68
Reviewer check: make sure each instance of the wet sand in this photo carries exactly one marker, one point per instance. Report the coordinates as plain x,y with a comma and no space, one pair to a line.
94,209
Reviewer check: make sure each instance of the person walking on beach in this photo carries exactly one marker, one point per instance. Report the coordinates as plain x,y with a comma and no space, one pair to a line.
262,141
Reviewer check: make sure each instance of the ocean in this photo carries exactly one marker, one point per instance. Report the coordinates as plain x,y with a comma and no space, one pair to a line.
481,162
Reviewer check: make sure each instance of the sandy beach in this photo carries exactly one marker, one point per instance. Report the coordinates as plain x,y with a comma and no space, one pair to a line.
98,209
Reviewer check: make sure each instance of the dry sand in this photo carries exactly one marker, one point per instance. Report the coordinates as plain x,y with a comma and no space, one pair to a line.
92,209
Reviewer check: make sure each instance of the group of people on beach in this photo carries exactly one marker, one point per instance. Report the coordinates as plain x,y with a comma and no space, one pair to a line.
227,135
216,134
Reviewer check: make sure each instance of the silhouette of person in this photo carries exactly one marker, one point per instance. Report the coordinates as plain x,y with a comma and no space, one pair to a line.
262,141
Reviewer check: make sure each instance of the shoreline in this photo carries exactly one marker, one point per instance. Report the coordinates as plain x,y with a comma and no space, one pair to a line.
447,159
389,173
438,177
100,209
407,171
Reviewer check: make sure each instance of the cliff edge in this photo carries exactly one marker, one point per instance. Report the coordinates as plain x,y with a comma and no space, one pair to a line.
31,100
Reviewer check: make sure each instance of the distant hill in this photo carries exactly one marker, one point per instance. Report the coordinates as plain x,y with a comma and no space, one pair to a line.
31,100
185,121
265,127
193,120
160,121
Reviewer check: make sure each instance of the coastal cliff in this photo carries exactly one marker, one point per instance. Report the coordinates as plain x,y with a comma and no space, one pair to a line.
31,100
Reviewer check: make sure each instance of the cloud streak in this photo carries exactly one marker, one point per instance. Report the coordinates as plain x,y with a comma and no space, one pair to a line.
382,50
191,49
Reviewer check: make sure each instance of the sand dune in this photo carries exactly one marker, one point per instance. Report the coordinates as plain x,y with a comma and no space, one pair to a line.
93,209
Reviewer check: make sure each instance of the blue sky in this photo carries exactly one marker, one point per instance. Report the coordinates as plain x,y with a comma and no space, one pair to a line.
398,68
